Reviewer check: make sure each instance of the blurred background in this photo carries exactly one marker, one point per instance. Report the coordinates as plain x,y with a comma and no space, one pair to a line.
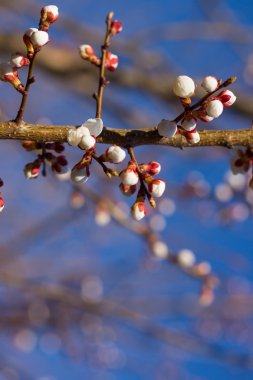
81,295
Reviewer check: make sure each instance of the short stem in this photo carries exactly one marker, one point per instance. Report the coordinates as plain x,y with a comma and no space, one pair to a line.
133,158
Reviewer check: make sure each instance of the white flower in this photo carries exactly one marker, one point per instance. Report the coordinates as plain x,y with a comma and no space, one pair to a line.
115,154
79,175
87,142
157,187
129,177
39,38
95,126
189,124
184,87
186,258
74,135
167,128
227,98
138,210
209,83
214,108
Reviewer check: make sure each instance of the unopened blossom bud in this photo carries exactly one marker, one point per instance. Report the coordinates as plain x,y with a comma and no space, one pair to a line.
186,258
32,170
79,175
1,203
151,168
210,84
192,137
127,190
183,86
39,39
28,42
112,61
129,177
87,142
86,51
18,60
189,124
114,154
203,268
157,187
227,98
160,250
138,210
49,14
116,27
214,108
167,128
206,118
9,74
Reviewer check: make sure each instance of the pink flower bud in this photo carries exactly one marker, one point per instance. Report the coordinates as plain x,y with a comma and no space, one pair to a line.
32,170
39,39
167,128
192,137
189,124
49,14
127,190
227,98
151,168
79,175
9,74
87,142
86,51
186,258
206,118
17,60
129,177
1,203
112,61
28,42
138,210
209,84
116,27
183,87
214,108
157,187
115,154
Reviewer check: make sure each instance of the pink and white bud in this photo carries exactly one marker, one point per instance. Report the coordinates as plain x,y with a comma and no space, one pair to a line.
160,250
210,84
87,142
127,190
49,14
116,27
1,203
138,210
86,51
151,168
186,258
18,60
157,188
184,86
39,39
79,175
227,98
189,124
206,118
112,61
214,108
9,74
28,42
167,128
95,126
31,171
129,177
192,137
115,154
74,135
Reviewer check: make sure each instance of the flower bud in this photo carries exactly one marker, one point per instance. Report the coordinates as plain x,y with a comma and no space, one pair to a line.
192,137
114,154
214,108
138,210
79,175
28,42
17,60
116,27
9,74
160,249
157,187
186,258
167,128
39,39
86,51
183,87
129,177
210,84
189,124
206,118
112,61
32,170
127,190
87,142
227,98
49,14
151,168
95,126
1,203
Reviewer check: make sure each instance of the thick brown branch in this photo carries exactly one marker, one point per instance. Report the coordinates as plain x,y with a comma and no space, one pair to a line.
126,137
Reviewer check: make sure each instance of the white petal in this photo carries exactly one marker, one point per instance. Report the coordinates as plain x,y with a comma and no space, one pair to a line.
95,126
167,128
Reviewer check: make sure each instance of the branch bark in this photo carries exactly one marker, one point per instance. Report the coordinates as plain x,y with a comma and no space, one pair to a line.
126,137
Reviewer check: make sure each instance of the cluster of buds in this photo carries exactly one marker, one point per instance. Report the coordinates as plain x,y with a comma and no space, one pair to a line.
111,60
1,198
9,71
242,163
206,110
46,154
150,187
